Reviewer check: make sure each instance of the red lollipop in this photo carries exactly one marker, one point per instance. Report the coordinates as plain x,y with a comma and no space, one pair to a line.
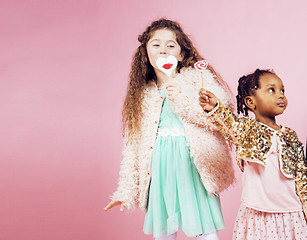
201,66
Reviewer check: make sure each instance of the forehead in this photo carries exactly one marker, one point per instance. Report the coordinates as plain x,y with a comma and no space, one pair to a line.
270,79
163,34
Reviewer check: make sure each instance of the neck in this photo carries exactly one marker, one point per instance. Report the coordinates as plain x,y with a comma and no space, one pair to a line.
269,121
162,78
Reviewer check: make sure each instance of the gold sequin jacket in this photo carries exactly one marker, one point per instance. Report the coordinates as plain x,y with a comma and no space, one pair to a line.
253,141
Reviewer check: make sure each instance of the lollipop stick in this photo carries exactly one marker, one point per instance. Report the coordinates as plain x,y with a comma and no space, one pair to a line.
201,66
202,80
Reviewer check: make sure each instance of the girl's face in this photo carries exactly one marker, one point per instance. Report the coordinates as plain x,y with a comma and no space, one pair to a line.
162,44
269,99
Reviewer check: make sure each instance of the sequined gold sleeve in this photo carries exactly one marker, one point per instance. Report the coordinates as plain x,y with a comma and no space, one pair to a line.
231,126
234,129
301,174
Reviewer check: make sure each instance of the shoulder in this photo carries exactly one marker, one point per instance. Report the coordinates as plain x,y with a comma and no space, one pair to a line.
150,87
191,77
248,124
189,71
150,90
290,135
151,96
248,119
288,130
194,76
294,147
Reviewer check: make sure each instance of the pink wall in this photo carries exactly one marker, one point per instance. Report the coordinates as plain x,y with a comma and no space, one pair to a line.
64,69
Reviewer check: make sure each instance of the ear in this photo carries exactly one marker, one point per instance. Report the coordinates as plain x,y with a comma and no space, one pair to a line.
250,102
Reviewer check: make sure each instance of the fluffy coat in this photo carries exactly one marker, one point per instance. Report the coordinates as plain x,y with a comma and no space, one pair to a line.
207,146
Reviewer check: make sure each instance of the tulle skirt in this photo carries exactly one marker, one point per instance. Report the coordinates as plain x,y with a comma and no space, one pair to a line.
256,225
177,197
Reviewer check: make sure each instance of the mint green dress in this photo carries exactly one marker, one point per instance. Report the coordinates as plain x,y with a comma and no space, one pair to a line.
177,197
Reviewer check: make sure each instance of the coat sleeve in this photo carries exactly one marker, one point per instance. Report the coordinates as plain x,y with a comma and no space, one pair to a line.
186,104
301,173
226,121
128,183
232,127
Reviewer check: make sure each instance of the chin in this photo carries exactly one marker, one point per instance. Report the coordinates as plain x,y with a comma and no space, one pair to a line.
280,112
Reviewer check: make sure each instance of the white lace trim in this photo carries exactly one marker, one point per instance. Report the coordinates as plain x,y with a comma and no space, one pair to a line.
163,132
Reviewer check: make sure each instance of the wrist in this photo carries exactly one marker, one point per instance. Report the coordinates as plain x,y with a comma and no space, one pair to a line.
213,110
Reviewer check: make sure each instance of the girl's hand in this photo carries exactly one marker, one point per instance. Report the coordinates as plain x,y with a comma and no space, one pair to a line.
113,204
172,90
207,100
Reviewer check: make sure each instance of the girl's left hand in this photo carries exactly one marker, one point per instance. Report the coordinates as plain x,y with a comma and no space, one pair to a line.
172,90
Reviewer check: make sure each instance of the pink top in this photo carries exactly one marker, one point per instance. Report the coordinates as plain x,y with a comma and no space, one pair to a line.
266,188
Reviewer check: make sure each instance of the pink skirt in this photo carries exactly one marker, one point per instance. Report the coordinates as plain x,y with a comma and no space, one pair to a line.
256,225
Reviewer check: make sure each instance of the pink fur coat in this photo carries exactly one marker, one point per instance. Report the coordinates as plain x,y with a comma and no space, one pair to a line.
207,146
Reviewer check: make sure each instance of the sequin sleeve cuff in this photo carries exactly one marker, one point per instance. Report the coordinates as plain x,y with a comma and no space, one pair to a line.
208,114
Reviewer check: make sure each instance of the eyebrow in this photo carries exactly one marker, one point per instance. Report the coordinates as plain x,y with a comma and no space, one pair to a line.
156,39
273,85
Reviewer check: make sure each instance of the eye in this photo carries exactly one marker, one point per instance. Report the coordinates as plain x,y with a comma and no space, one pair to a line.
271,90
171,46
283,91
156,45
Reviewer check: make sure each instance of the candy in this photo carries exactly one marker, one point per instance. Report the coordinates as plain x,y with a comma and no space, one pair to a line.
167,65
201,66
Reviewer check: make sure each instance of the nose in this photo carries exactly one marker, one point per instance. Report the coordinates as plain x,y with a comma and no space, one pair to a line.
281,95
163,50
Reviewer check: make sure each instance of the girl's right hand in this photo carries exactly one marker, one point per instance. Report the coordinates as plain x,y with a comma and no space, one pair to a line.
172,90
113,204
207,100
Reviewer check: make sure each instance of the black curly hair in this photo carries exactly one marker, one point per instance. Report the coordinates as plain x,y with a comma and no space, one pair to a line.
247,86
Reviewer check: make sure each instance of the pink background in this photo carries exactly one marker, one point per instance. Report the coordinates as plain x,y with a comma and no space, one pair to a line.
64,67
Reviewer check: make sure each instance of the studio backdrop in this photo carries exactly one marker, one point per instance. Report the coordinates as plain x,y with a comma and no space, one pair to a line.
64,70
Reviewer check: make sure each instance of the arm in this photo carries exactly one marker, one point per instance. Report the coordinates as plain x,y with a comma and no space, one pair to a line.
183,93
301,177
127,192
231,126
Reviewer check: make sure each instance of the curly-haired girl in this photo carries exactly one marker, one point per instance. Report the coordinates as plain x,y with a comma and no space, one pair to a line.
175,162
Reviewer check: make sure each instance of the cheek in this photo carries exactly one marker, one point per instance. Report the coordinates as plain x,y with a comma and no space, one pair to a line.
150,56
179,55
152,61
